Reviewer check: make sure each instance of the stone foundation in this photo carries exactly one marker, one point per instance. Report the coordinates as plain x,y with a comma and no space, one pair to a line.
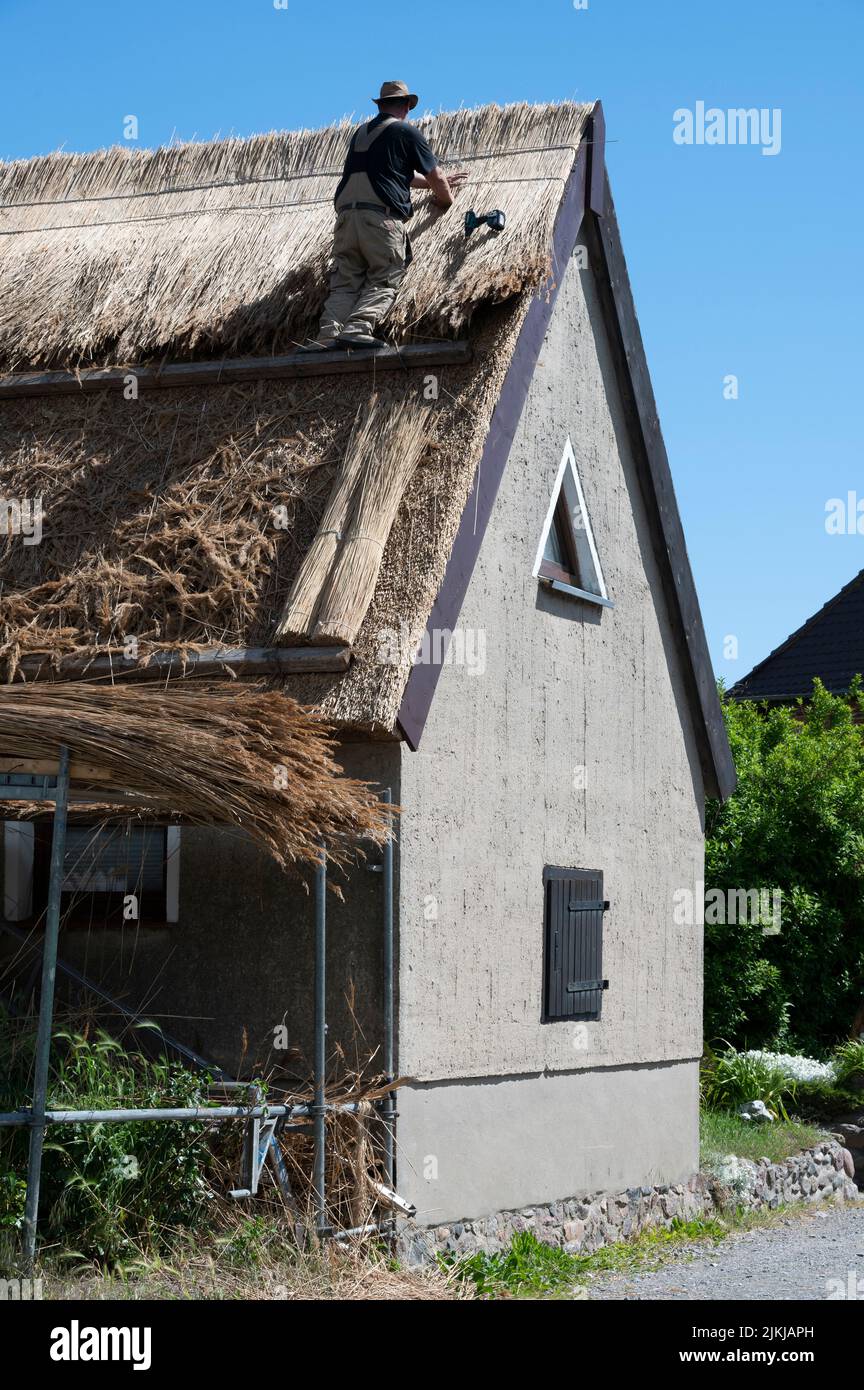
582,1225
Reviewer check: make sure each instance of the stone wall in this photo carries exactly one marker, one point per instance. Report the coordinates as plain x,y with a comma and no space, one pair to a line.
583,1225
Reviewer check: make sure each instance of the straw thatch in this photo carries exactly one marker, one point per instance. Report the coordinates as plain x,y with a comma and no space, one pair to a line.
336,581
195,518
124,255
215,756
180,520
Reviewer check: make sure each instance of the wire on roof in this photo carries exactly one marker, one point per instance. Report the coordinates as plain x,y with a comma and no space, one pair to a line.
263,178
205,212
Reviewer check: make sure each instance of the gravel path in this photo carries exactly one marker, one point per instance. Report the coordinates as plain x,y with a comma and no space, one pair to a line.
796,1259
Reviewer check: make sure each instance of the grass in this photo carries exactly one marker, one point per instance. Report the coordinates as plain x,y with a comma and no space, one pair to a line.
722,1132
255,1264
529,1269
251,1256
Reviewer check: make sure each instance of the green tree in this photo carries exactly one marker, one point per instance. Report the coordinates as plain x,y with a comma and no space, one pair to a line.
795,822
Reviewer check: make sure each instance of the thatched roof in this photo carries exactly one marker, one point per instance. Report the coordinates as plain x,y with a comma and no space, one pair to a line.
160,518
159,514
211,755
123,255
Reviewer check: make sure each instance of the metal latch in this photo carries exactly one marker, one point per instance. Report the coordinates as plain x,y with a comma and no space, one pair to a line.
587,984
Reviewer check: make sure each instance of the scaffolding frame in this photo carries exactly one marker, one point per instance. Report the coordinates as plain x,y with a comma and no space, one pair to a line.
55,787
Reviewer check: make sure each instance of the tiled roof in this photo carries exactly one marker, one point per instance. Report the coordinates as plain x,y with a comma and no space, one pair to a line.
830,645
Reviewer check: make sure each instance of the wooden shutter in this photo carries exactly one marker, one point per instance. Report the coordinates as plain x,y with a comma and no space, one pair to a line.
573,945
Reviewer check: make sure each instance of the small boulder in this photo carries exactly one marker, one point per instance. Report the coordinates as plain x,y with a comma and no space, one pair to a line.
851,1136
757,1112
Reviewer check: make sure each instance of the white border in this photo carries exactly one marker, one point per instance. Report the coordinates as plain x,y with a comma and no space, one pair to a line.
19,839
567,478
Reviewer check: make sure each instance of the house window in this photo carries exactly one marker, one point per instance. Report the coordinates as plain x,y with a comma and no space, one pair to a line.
573,982
567,558
112,874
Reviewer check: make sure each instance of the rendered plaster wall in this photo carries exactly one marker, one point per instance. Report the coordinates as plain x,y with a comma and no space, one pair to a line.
562,737
469,1149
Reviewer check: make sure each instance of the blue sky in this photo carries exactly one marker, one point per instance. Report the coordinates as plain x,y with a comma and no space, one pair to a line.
741,263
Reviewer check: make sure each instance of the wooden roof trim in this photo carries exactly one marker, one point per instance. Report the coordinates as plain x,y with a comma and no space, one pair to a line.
634,380
235,369
245,661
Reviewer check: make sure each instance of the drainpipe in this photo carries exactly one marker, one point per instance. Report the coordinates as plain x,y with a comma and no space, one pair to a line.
46,1012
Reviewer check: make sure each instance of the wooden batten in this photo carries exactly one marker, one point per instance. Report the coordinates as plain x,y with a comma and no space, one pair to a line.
292,364
42,767
245,661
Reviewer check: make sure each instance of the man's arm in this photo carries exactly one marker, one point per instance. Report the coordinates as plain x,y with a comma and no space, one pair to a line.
440,185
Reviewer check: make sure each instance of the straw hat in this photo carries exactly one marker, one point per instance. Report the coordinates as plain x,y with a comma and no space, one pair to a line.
393,91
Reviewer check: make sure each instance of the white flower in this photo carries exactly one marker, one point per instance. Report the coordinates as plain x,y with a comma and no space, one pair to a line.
795,1068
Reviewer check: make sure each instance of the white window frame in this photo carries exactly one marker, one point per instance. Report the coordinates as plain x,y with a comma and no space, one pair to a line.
567,481
19,840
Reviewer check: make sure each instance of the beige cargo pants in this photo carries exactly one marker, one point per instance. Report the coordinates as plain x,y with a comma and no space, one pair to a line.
369,253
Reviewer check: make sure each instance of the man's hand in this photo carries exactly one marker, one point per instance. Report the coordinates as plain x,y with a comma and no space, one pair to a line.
457,178
440,186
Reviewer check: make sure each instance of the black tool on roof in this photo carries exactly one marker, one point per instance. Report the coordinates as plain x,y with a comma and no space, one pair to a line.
493,220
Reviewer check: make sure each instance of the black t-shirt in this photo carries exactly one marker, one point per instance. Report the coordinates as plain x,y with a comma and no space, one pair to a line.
391,162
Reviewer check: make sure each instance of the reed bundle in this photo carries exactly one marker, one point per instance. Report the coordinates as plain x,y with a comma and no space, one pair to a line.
201,248
160,515
336,580
215,755
397,435
298,617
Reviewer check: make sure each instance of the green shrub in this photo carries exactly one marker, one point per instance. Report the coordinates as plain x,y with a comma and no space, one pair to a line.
795,822
848,1061
110,1192
732,1078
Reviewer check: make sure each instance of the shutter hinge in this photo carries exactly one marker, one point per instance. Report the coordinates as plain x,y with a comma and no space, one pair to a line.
579,985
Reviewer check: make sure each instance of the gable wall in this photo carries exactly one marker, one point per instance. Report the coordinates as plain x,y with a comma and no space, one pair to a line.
489,798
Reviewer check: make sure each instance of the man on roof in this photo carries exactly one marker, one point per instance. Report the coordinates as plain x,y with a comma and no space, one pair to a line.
387,157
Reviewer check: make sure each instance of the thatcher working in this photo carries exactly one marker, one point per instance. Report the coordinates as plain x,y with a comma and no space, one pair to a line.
387,157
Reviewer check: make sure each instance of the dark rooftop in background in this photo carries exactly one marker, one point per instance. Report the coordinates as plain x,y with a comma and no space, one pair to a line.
830,645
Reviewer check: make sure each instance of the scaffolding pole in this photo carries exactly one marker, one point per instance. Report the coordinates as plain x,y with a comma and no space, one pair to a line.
389,1107
38,1117
319,1108
46,1012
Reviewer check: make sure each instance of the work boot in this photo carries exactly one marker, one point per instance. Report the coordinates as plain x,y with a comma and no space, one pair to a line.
357,339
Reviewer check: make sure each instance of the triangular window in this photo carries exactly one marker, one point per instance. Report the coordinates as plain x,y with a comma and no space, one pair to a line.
567,557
